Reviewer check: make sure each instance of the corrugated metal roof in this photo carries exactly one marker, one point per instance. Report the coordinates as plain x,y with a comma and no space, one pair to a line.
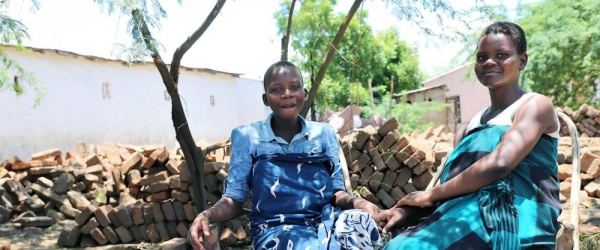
93,58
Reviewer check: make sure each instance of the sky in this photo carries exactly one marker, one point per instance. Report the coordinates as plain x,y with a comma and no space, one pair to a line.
242,39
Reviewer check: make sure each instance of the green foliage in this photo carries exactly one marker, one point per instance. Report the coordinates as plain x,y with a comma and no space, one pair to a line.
413,116
564,50
361,55
12,75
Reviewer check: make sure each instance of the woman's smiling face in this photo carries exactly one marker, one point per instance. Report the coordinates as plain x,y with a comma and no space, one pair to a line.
497,62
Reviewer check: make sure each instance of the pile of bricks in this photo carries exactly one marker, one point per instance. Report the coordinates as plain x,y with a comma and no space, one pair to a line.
586,118
384,166
113,193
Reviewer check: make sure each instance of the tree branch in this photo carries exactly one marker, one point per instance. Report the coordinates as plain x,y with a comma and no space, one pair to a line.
286,38
176,62
328,57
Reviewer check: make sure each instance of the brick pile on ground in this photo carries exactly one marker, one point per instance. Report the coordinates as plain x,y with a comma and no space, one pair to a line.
385,166
586,119
113,193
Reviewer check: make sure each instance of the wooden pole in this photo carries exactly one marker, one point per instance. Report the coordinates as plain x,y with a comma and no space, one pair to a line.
391,95
371,93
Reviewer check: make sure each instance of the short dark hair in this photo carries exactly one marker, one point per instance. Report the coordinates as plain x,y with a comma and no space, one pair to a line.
278,65
513,30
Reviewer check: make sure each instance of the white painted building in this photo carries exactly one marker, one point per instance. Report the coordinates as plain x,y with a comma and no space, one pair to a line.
97,100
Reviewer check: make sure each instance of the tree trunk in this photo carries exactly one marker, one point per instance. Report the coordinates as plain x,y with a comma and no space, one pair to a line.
328,57
286,38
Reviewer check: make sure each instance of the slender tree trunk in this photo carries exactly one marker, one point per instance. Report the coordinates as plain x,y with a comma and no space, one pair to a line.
371,95
328,57
194,156
286,39
391,95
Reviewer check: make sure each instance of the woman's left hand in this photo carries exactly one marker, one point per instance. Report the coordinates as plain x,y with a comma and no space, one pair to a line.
368,207
416,199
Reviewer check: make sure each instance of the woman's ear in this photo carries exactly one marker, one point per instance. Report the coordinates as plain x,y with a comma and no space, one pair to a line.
305,93
523,62
265,100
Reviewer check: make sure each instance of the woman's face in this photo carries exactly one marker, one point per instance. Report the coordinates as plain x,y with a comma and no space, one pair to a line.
497,62
285,94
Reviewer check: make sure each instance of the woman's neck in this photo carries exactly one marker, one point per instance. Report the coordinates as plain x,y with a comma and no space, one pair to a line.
286,129
502,98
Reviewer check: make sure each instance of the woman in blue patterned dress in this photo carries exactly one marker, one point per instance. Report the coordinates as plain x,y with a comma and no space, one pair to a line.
291,168
499,188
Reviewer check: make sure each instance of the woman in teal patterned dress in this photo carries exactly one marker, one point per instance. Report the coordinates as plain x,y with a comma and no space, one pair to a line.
499,188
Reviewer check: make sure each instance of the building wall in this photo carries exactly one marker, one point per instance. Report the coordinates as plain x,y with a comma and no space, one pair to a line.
432,94
133,109
463,83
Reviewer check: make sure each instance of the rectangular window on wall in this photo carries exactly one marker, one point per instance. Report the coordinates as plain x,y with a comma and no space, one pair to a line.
105,90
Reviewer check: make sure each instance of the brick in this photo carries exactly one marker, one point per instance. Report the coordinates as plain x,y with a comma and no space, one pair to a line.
213,167
151,159
388,180
124,215
172,229
37,221
594,168
110,234
179,211
403,176
137,214
586,160
375,181
168,211
397,193
390,161
112,215
113,156
91,160
143,232
16,188
157,212
85,214
366,174
74,237
385,198
78,200
135,231
180,195
174,181
62,237
102,215
227,237
158,186
409,188
182,229
160,176
388,126
40,170
376,158
46,154
158,197
173,166
421,181
388,140
98,236
362,136
147,212
134,178
69,211
564,171
163,232
184,172
124,234
190,212
152,233
88,227
134,161
64,182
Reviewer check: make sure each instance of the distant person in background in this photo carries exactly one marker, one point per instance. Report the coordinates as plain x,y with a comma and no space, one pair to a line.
499,188
292,169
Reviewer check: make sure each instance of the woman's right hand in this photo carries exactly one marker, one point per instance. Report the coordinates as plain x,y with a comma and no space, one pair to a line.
392,217
200,224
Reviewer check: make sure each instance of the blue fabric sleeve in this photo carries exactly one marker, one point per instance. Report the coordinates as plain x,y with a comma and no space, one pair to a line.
240,165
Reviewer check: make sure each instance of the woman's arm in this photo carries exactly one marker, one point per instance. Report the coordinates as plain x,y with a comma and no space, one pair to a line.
225,209
534,118
344,201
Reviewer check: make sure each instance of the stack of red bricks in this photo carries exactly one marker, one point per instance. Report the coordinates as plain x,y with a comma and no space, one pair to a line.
586,118
114,193
385,166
